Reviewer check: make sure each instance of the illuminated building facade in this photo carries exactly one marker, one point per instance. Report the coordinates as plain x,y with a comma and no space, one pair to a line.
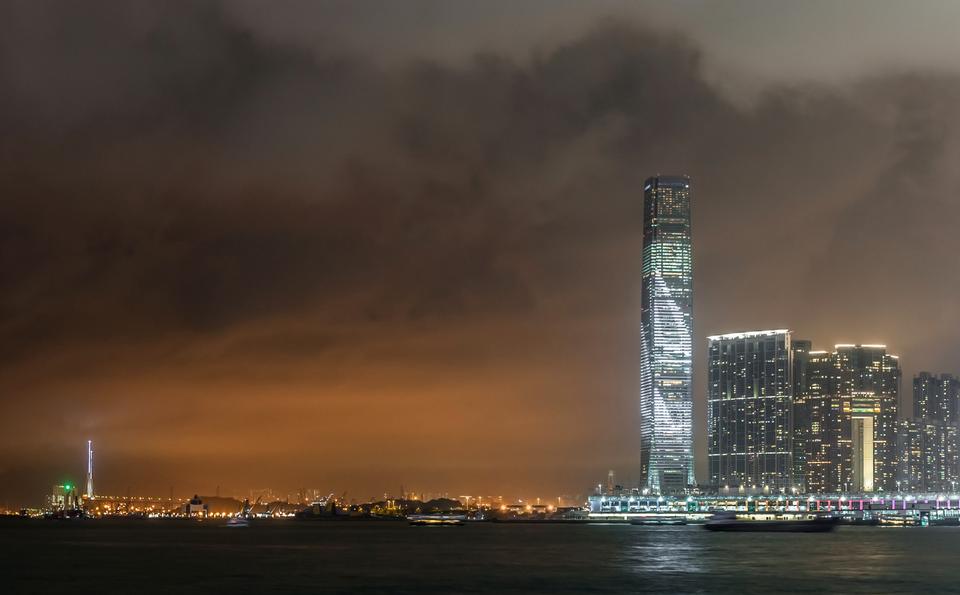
802,422
863,410
869,372
935,397
814,430
63,497
929,456
848,405
666,399
928,449
59,498
750,411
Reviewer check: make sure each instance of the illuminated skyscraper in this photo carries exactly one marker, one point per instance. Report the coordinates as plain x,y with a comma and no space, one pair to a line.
666,328
750,411
870,378
929,456
802,421
814,428
849,412
935,398
928,444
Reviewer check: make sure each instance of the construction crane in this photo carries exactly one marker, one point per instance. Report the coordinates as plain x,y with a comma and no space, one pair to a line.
247,511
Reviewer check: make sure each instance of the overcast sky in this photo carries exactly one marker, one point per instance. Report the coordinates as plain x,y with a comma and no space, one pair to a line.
349,245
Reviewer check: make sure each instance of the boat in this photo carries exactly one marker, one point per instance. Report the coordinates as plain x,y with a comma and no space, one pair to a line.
665,520
728,521
243,517
436,520
896,520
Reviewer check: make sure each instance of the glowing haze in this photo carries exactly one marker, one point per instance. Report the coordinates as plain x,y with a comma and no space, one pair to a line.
357,245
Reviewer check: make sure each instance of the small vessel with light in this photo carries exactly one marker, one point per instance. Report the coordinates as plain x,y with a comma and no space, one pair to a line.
664,519
243,517
436,520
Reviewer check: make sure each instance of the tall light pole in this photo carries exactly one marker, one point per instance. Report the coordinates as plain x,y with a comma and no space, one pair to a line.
89,468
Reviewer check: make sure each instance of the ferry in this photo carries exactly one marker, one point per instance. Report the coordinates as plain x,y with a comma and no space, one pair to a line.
728,521
436,520
660,520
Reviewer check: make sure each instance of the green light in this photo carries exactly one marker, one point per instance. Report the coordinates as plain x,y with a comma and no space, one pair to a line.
67,487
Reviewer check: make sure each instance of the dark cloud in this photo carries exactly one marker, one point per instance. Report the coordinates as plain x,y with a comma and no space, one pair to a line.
310,250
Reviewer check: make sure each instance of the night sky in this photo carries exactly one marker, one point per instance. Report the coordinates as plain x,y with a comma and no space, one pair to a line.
351,246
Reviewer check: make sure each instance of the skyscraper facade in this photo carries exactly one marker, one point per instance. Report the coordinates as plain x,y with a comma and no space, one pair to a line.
928,448
814,421
868,372
929,456
750,411
849,409
666,328
935,397
802,421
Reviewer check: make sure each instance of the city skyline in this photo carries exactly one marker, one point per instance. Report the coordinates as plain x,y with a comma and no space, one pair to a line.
392,245
499,296
850,398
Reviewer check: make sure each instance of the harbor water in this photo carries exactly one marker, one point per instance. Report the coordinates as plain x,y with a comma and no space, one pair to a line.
165,556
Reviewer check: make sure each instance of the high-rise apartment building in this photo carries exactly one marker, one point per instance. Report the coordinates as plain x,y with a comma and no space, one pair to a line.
871,378
666,399
928,448
929,456
936,397
750,411
802,422
814,423
848,408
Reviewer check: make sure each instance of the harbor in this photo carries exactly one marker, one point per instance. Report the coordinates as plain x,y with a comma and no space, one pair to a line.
907,510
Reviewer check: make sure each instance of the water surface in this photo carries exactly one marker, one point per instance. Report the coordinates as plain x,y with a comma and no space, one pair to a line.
386,557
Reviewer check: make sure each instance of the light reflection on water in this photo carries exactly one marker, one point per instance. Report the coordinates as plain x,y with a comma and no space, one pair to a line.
851,560
659,550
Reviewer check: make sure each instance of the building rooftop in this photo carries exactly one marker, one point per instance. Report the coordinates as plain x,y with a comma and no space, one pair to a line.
748,334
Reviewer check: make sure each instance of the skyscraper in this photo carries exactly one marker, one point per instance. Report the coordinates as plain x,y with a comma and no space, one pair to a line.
936,397
849,406
802,421
870,378
928,447
814,423
750,411
666,329
926,395
929,456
